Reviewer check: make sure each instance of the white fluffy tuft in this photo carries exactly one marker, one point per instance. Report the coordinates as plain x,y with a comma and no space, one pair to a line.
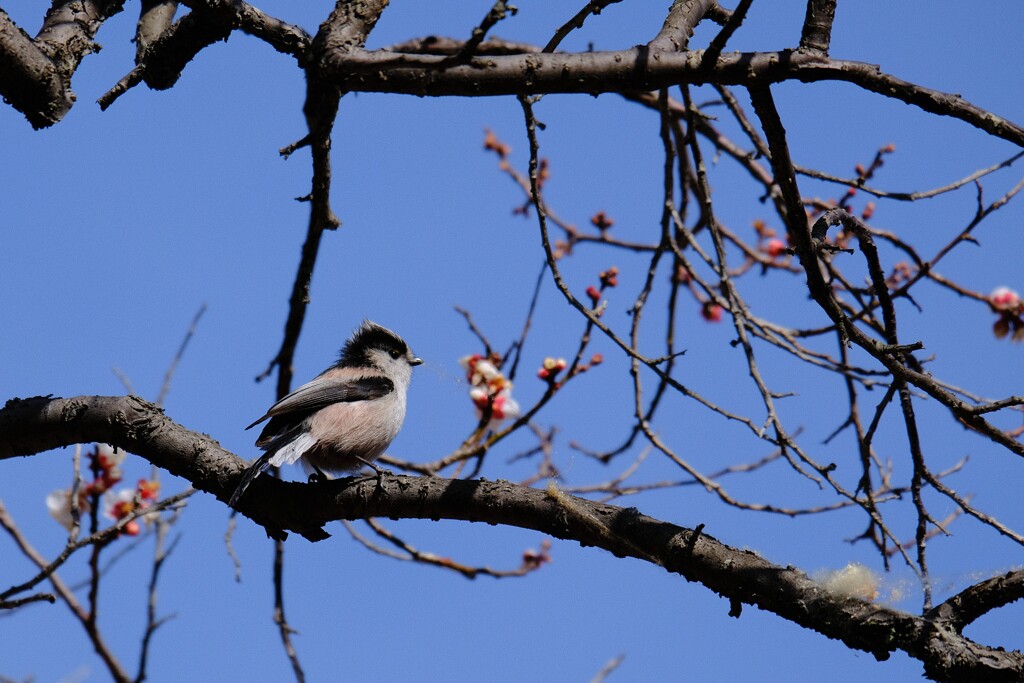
852,581
293,450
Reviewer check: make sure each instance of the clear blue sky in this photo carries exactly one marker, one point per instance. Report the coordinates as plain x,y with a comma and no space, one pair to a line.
118,225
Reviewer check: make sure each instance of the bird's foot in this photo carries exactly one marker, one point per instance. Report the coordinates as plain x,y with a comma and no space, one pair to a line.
380,472
317,475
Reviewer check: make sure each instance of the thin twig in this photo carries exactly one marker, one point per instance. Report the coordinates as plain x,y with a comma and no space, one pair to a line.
165,388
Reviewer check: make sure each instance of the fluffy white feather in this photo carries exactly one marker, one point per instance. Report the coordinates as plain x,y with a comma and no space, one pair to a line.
291,452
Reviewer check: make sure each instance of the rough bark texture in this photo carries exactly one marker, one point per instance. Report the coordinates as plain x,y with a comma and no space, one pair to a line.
39,424
817,31
35,79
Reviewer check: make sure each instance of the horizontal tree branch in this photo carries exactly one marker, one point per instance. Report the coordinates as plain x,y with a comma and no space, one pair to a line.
636,69
38,424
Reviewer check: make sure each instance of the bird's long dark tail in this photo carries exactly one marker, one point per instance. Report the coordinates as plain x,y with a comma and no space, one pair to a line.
261,464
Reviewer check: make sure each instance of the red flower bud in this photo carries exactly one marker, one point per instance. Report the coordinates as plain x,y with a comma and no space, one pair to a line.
711,312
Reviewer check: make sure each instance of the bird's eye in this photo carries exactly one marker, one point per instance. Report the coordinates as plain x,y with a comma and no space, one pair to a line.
395,353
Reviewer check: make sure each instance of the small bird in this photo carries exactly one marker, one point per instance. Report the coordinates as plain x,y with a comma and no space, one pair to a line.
345,417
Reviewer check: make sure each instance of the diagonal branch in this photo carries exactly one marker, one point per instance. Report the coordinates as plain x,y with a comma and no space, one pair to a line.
36,74
683,17
969,605
161,64
155,17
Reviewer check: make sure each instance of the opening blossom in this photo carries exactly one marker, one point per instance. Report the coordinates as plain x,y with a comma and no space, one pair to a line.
105,462
1004,299
550,369
1008,304
126,501
489,387
59,504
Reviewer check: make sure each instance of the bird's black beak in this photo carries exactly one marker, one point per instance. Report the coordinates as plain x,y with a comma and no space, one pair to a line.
416,361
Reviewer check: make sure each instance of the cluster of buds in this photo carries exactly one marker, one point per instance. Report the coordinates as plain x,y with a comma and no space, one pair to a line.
534,559
550,369
601,221
562,248
126,502
608,279
1008,304
105,461
490,391
768,241
493,144
844,201
863,173
543,173
105,465
901,273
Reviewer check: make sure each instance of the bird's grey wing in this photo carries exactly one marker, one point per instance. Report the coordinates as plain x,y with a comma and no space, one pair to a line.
323,391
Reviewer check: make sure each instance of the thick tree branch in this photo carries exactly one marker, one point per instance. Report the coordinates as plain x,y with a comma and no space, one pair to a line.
155,17
683,17
34,425
161,64
36,74
718,43
817,31
29,80
347,28
637,69
69,28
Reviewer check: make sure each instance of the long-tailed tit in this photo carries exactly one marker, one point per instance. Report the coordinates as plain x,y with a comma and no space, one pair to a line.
345,417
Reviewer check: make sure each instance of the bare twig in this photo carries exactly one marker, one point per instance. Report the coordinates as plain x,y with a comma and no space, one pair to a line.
593,7
169,374
609,668
284,630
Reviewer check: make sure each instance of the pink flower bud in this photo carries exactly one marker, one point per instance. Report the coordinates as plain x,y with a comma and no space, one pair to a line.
1004,299
775,248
